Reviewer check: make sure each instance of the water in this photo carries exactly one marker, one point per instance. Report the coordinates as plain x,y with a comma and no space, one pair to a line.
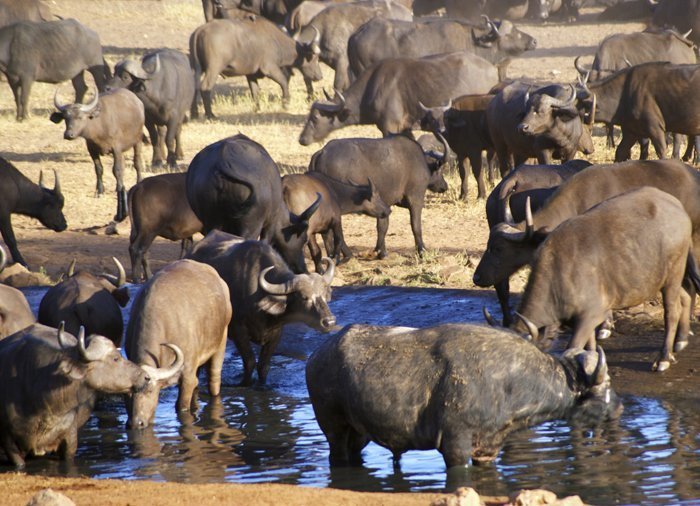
651,455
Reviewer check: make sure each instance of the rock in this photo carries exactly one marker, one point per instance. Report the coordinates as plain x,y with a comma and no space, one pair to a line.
48,497
542,497
463,496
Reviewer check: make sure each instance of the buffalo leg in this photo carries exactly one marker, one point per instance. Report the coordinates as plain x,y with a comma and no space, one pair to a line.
584,331
503,294
118,170
677,141
170,143
491,164
138,248
346,444
339,244
456,448
12,452
644,149
179,153
16,93
688,154
241,339
216,364
624,149
309,89
314,251
186,398
280,78
658,139
185,246
25,88
342,79
254,90
206,100
69,446
154,134
265,356
464,188
671,296
80,87
416,210
681,340
610,135
476,162
99,170
382,227
8,235
138,161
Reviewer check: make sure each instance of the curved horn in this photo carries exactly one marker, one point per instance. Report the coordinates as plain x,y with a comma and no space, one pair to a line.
274,288
601,369
489,319
687,34
330,270
328,97
57,104
627,62
165,373
121,278
445,147
568,102
71,268
41,180
529,224
531,328
581,70
156,69
527,95
56,183
591,117
88,355
423,107
306,215
507,214
59,334
3,258
93,103
317,35
341,97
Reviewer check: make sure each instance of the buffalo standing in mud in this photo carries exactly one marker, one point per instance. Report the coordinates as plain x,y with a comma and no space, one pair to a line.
265,295
184,310
460,389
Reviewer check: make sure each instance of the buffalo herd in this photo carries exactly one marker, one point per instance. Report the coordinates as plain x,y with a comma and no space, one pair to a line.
598,238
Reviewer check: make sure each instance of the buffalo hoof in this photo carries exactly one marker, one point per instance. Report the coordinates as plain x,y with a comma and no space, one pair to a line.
663,364
603,334
381,255
680,344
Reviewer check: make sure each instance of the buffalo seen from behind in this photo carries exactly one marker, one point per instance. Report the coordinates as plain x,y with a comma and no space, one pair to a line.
235,186
110,124
265,295
164,82
49,52
15,313
393,94
460,389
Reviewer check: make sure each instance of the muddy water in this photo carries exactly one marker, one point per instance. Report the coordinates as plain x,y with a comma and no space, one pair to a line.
651,455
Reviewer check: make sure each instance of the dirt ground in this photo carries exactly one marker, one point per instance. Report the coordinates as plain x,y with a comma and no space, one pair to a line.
454,232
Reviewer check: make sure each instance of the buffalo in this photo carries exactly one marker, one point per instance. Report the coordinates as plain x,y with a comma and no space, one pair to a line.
393,94
158,207
50,383
682,15
12,11
164,82
110,124
184,310
18,195
398,168
49,52
460,389
266,295
89,301
594,262
234,185
15,313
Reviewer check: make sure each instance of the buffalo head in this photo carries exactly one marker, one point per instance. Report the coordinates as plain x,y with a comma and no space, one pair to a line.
542,110
325,117
99,364
302,297
50,209
141,407
437,162
307,56
134,75
294,237
504,35
432,118
76,116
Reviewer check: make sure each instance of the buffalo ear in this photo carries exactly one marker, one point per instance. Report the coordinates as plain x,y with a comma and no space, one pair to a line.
70,369
56,117
343,114
273,304
121,295
95,112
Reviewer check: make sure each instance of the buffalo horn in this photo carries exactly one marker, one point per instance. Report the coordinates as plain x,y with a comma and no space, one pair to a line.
591,118
601,369
529,224
56,102
565,104
56,183
3,258
445,147
61,338
687,34
423,108
531,328
71,268
121,279
527,96
489,319
369,183
317,36
328,97
329,270
653,2
165,373
89,355
41,180
306,215
341,97
89,107
507,214
275,288
627,62
581,70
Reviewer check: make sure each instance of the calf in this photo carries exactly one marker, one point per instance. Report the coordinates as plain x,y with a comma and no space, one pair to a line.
50,383
110,124
185,307
460,389
18,195
397,167
15,313
266,295
158,208
337,198
86,300
164,82
594,262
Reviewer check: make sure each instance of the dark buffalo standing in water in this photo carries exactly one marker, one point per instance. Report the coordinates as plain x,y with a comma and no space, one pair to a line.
682,15
647,101
381,38
507,203
12,11
110,124
460,389
544,123
15,313
164,82
50,383
265,295
89,301
18,195
50,52
178,323
255,49
398,168
594,262
337,23
235,186
158,207
510,245
394,94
